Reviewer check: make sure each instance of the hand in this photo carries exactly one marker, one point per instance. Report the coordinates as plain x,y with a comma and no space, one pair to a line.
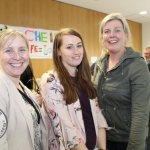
38,98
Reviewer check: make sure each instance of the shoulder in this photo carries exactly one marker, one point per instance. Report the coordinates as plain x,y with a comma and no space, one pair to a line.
138,71
138,64
50,74
4,93
100,63
2,82
99,68
133,59
49,80
102,58
5,82
46,77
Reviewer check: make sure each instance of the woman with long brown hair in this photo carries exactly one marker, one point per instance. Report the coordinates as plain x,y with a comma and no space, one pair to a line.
75,120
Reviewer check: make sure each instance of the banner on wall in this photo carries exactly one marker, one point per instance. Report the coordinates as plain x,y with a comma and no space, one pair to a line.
40,40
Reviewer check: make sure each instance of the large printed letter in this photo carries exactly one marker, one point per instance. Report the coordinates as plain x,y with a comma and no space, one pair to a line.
27,33
43,37
37,36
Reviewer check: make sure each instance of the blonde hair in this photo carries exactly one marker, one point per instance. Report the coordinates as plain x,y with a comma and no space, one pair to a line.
7,34
121,18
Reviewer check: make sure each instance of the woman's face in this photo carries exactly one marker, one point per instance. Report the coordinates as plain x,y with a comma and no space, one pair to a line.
14,57
113,36
71,52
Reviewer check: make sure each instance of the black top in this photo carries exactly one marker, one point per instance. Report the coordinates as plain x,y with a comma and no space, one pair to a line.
87,117
27,78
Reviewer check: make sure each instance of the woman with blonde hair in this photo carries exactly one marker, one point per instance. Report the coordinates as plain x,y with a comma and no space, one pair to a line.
22,124
122,82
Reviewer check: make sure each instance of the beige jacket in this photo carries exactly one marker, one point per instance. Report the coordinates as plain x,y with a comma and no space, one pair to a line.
65,122
19,133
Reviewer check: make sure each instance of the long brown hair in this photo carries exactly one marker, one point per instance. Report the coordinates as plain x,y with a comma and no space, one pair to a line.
83,74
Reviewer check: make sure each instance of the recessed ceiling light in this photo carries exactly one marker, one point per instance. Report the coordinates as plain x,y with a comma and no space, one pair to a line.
143,12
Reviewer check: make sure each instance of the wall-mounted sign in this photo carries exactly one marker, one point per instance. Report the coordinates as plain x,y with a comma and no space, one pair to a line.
40,40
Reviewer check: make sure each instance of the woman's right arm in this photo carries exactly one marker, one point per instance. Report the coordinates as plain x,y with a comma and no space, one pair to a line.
67,134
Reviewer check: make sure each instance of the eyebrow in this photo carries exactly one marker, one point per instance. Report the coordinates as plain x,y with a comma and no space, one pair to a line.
23,47
19,47
77,43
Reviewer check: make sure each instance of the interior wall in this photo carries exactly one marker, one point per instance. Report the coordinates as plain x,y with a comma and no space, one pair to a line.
136,34
52,15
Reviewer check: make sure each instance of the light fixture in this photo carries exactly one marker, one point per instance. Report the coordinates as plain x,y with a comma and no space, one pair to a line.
93,59
143,12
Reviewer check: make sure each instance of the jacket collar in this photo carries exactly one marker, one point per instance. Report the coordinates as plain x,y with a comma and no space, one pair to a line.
31,96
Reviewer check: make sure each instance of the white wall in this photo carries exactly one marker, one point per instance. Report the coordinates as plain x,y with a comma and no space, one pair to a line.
145,35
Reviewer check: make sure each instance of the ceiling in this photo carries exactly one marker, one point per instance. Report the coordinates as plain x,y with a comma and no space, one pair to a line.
129,8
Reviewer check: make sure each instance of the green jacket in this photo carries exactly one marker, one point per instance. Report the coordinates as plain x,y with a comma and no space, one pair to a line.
124,97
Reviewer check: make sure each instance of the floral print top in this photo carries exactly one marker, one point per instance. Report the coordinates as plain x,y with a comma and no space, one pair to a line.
65,122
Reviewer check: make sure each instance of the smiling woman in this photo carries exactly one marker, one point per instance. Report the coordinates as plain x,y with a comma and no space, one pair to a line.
16,101
122,82
14,56
71,53
70,98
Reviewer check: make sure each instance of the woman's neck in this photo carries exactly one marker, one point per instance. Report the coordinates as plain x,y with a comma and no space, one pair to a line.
114,58
72,72
71,69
